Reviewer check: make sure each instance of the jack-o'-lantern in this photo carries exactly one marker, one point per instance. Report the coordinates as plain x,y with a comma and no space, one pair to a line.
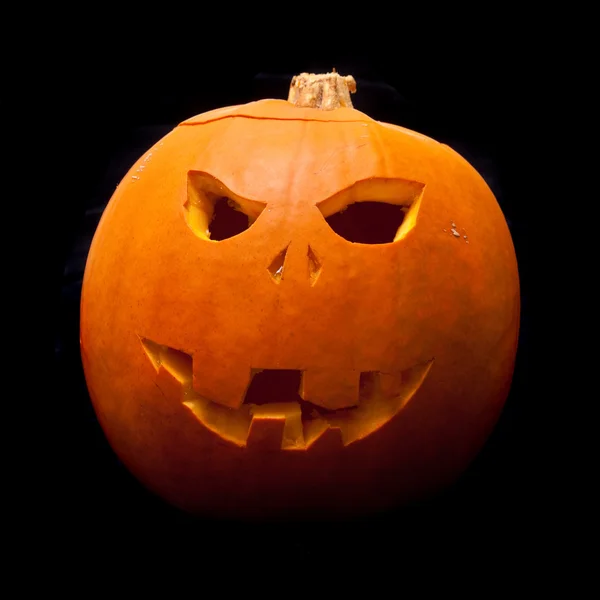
290,308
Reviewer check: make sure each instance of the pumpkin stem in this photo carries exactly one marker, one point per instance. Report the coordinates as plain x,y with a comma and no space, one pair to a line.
326,91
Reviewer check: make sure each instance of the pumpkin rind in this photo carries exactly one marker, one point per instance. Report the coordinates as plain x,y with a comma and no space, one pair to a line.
431,298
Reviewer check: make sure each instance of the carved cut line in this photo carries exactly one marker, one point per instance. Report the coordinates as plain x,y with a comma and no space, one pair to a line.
314,266
274,395
277,265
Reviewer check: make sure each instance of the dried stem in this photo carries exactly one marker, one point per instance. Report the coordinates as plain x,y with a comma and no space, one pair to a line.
326,91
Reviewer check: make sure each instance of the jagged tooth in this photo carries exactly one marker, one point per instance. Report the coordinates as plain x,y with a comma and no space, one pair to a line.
292,436
169,384
225,387
383,400
329,439
230,424
313,430
266,433
153,351
330,388
179,364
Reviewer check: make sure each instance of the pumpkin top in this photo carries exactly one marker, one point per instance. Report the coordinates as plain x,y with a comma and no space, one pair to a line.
322,97
326,91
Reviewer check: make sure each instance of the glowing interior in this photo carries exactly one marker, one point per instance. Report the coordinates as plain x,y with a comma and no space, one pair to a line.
314,266
382,396
277,265
213,212
365,223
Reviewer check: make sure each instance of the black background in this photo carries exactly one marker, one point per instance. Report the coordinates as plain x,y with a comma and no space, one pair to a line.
105,115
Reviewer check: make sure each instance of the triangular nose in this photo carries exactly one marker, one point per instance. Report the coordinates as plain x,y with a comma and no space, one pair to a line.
278,264
314,266
297,262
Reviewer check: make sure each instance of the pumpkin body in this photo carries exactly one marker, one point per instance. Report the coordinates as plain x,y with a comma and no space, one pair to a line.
403,349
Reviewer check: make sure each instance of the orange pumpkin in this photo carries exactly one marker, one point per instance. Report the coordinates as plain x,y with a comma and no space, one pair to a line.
290,308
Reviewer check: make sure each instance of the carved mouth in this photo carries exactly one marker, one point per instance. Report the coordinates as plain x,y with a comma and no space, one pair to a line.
274,412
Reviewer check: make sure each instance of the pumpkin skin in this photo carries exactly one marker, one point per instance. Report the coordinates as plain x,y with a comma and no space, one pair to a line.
175,326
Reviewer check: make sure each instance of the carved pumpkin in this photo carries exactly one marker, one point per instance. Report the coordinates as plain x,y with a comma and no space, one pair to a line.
290,308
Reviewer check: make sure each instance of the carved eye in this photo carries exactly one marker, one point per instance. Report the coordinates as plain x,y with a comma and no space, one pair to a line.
214,212
368,222
375,211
